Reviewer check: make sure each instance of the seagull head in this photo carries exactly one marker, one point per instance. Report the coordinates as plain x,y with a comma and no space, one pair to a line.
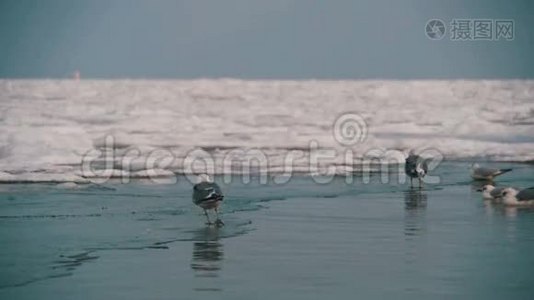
410,153
203,178
508,196
509,193
486,188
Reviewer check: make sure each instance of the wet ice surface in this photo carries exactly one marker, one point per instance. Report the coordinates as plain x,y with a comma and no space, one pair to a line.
301,240
47,126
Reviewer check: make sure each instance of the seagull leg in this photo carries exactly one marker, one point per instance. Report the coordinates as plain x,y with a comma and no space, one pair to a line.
420,183
207,217
218,222
411,182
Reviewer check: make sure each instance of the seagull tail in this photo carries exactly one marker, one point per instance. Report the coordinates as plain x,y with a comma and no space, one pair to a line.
502,171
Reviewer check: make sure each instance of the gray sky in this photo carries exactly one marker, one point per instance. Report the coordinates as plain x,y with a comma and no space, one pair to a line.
279,39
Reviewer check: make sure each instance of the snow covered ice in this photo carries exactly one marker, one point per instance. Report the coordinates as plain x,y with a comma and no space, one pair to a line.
48,126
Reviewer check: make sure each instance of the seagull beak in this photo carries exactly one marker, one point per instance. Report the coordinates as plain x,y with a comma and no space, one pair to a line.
479,190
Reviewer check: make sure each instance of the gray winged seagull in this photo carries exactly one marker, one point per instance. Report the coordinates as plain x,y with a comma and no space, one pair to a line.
415,167
490,192
208,195
513,197
482,173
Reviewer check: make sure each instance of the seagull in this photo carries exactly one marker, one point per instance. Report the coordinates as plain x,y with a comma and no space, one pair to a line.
490,192
481,173
513,197
415,167
208,195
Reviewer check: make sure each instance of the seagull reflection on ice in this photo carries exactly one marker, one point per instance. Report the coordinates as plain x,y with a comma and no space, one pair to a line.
414,200
206,257
414,205
414,224
207,253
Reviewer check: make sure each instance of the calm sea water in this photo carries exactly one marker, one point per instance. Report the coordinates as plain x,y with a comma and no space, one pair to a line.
301,240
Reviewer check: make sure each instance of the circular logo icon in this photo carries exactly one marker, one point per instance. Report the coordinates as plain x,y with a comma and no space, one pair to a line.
435,29
350,129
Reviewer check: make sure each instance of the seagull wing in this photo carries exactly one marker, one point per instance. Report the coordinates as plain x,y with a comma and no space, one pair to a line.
486,172
496,192
411,165
206,191
526,194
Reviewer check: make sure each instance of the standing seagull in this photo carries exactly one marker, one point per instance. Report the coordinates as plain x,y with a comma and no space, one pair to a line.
415,167
481,173
513,197
208,195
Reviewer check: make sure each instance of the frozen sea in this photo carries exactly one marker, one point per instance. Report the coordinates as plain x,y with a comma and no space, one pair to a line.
48,127
124,227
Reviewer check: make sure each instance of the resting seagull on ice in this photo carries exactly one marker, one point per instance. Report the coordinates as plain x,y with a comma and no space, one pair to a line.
513,197
481,173
415,167
489,192
208,195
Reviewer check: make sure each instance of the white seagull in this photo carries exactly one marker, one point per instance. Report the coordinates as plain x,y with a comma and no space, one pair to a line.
490,192
481,173
513,197
208,195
